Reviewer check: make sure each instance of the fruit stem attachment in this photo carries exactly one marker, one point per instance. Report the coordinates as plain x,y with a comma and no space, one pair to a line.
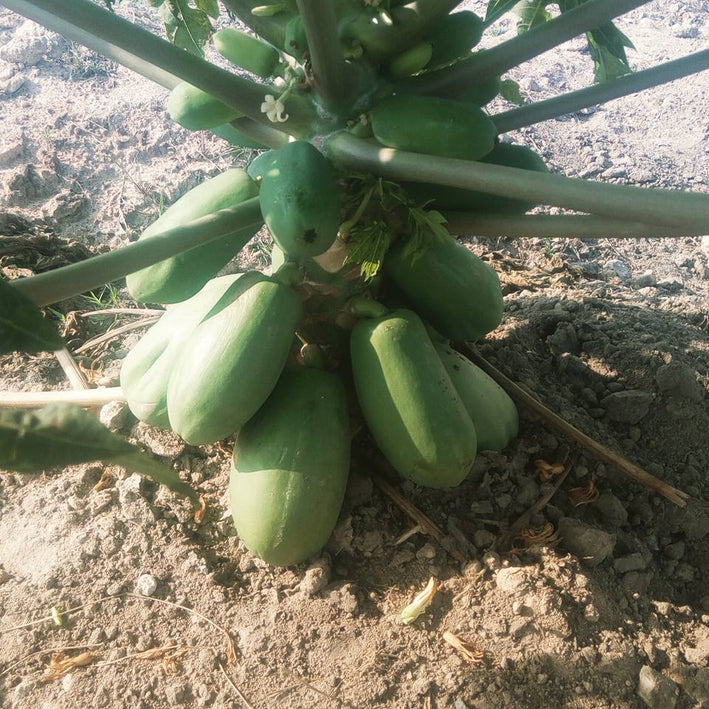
363,307
288,274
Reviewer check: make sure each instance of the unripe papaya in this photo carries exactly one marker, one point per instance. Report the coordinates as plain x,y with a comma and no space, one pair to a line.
454,290
232,360
290,467
300,201
195,109
408,400
247,52
453,37
147,367
434,126
411,61
180,277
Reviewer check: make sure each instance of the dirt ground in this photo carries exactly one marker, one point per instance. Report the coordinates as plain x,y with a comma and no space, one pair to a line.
612,335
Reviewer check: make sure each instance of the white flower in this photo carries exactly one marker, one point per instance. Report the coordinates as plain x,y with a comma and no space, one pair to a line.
274,108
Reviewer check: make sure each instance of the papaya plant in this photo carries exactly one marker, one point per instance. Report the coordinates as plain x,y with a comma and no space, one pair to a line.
377,144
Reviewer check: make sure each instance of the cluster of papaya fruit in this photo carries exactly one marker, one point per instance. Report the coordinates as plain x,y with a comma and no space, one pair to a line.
227,357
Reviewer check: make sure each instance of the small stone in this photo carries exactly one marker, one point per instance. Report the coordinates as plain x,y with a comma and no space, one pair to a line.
679,380
695,521
629,406
590,544
512,579
114,415
631,562
316,577
656,690
146,585
427,551
618,268
645,280
636,582
28,45
674,551
611,509
698,654
483,539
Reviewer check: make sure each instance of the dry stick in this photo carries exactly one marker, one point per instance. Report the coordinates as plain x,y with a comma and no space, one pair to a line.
426,524
71,369
505,540
144,312
231,651
44,652
617,461
107,336
236,689
35,399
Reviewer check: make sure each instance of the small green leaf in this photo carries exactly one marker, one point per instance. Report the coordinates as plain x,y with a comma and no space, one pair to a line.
186,27
22,326
209,7
510,91
497,8
531,13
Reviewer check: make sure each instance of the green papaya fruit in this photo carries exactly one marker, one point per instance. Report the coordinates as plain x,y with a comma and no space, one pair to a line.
408,400
195,109
454,290
300,201
147,367
290,467
246,52
453,37
180,277
232,360
234,136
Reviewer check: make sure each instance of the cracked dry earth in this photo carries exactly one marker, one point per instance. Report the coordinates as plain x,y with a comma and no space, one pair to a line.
611,335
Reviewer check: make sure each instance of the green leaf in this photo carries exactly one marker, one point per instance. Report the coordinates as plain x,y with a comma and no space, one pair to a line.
510,91
23,328
209,7
63,434
497,8
55,436
187,27
531,13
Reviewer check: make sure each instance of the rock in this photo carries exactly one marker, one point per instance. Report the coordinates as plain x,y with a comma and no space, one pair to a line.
316,577
483,539
164,443
679,380
427,551
146,585
695,521
656,690
12,85
636,582
564,339
631,562
29,43
698,654
618,268
64,205
590,544
512,580
645,280
629,406
114,415
674,551
611,509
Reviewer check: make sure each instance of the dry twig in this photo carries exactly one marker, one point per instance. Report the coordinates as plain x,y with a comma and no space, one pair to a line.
600,451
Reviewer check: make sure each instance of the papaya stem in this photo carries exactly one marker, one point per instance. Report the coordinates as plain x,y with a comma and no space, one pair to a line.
156,58
669,208
601,93
271,28
489,63
329,67
76,278
558,226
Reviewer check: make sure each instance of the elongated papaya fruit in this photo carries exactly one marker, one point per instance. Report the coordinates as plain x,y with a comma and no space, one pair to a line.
181,276
195,109
454,290
147,367
491,409
232,360
409,402
290,467
247,52
434,126
456,199
299,199
234,136
453,37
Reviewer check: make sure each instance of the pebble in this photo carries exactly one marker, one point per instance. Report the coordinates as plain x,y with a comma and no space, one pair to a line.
679,380
114,415
316,577
28,45
656,690
513,579
591,545
674,551
146,585
427,551
611,510
645,280
631,562
695,521
629,406
483,539
619,268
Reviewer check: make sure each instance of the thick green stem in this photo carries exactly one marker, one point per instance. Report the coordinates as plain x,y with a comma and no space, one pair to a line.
330,70
272,28
80,277
681,210
557,226
600,93
142,51
453,81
